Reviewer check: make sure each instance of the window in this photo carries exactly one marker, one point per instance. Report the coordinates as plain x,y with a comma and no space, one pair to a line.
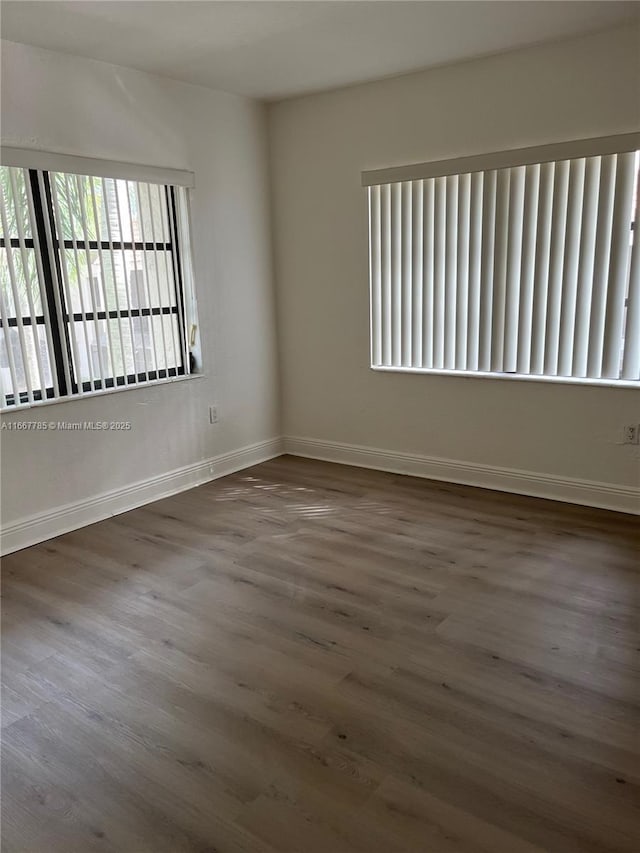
92,271
522,264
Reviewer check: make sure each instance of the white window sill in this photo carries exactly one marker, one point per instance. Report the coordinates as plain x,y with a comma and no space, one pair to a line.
74,398
524,377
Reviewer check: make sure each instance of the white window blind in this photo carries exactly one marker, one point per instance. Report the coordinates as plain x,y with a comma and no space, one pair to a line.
92,283
27,361
531,269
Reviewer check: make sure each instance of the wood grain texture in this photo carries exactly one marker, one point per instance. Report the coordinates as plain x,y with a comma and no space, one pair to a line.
313,658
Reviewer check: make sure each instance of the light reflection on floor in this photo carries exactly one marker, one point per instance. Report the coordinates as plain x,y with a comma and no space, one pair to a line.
304,509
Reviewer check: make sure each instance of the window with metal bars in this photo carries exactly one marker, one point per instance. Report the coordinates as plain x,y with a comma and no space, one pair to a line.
521,264
91,284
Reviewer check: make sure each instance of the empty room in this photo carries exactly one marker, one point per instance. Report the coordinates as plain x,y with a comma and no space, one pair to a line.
320,424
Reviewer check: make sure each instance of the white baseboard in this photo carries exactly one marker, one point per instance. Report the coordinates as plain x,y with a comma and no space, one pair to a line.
584,492
46,525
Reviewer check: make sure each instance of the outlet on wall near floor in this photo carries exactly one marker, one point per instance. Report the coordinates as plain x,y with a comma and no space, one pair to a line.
631,434
213,414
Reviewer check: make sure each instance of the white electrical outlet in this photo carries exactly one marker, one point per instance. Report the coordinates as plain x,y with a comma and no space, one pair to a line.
213,415
631,434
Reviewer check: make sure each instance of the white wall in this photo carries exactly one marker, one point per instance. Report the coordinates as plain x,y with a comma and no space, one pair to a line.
319,145
62,103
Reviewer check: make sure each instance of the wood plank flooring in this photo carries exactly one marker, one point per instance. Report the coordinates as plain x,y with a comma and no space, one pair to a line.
321,659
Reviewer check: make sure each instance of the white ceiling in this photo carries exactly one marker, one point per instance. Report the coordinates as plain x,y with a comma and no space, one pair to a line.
273,50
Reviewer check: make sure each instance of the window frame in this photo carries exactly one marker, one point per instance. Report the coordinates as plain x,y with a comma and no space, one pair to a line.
459,167
57,316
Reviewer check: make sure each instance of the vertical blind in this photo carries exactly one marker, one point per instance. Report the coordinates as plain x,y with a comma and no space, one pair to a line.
118,277
91,292
528,269
27,362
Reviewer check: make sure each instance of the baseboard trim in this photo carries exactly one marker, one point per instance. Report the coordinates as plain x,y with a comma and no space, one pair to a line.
568,490
40,527
43,526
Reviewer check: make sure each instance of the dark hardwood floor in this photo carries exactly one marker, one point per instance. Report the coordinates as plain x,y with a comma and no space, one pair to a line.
314,658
